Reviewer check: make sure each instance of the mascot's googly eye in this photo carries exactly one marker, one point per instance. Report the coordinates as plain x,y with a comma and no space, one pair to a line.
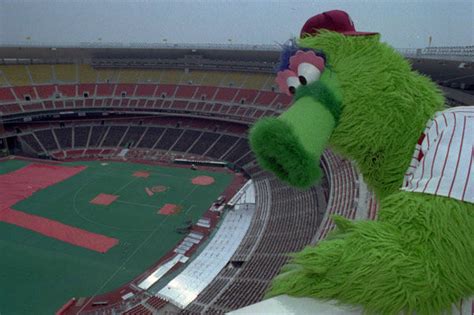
308,65
287,82
293,83
308,73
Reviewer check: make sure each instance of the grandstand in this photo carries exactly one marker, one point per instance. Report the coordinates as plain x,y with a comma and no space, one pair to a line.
194,103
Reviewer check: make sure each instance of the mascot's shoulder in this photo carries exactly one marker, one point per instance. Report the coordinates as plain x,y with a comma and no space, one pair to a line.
442,163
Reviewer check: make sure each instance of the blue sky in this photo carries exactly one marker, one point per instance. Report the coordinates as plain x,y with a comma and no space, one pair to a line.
403,24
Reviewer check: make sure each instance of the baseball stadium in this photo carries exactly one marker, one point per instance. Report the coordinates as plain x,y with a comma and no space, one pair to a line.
128,184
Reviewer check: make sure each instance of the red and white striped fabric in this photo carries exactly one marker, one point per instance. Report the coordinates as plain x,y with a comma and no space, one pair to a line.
443,160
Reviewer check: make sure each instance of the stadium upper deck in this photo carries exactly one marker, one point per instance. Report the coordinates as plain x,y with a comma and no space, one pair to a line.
242,66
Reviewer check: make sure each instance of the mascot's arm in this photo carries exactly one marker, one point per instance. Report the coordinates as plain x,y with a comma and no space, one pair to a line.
417,257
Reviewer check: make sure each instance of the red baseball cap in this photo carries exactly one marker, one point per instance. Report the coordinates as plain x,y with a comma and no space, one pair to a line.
335,20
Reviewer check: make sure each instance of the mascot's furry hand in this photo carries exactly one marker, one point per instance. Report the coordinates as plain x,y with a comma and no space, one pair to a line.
361,97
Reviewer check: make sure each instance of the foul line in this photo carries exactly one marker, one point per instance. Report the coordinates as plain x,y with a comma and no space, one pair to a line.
123,264
137,204
124,186
189,209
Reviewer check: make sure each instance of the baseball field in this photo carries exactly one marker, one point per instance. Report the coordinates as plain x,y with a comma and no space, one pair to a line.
85,228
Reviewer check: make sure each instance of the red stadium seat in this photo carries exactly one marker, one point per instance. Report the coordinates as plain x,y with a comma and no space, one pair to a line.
25,92
225,94
105,89
45,91
67,90
146,90
185,91
166,90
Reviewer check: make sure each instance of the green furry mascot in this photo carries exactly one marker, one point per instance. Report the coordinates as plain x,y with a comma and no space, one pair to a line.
361,98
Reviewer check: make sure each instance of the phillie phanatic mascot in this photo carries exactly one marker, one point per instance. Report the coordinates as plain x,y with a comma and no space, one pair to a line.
361,98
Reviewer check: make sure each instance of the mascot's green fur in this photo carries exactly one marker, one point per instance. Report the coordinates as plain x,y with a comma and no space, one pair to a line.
419,255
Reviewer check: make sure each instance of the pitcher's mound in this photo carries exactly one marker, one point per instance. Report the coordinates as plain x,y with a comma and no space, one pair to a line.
159,188
169,209
203,180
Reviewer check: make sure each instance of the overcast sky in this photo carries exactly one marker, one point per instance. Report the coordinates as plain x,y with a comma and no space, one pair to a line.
403,24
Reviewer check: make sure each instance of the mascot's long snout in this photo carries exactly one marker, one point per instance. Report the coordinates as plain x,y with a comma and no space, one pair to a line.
292,144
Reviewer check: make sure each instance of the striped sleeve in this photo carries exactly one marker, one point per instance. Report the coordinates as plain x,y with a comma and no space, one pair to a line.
442,163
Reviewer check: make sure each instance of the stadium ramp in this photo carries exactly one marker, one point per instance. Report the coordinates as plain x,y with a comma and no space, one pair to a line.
185,287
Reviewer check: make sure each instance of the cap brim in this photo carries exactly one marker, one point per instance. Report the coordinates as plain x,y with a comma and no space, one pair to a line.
353,33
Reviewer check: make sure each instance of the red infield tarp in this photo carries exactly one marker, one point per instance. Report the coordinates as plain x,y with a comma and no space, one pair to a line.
168,209
22,183
203,180
57,230
104,199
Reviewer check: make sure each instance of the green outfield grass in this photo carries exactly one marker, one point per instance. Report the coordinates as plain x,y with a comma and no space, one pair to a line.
39,274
